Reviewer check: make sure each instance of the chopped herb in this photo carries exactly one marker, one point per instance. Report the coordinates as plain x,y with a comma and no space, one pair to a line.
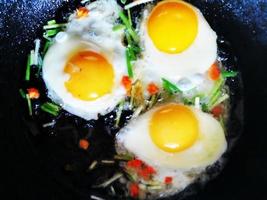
129,63
119,112
215,93
29,64
85,1
129,27
110,181
46,46
29,102
109,162
221,99
123,1
125,157
22,93
229,74
51,22
51,108
36,51
130,17
118,27
54,26
51,33
170,87
93,165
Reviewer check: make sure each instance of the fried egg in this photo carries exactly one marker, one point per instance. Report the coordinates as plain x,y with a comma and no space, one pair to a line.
177,42
176,140
83,69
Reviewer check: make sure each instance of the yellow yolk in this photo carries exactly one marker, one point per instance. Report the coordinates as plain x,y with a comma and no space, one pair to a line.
172,26
91,76
173,128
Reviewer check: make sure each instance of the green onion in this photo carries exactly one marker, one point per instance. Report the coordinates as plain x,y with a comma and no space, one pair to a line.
170,87
28,69
130,17
129,63
118,27
220,100
129,27
125,157
54,26
215,93
229,74
119,112
85,1
46,46
22,93
51,22
51,108
110,181
123,1
29,104
51,33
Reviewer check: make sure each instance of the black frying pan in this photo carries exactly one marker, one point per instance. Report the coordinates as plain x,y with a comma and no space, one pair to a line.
242,23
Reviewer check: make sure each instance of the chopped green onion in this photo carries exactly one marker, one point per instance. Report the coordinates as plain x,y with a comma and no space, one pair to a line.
51,33
85,1
22,93
36,51
215,93
28,69
170,87
54,26
129,63
46,46
108,162
51,22
229,74
125,157
123,1
221,99
110,181
119,112
51,108
118,27
29,104
130,17
93,165
130,29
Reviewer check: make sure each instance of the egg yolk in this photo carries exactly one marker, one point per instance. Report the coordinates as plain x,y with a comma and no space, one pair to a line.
172,26
91,76
173,128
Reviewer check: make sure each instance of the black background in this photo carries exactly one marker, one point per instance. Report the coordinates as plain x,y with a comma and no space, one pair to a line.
244,23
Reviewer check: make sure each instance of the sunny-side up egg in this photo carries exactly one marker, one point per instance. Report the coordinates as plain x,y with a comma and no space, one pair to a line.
83,69
176,140
177,43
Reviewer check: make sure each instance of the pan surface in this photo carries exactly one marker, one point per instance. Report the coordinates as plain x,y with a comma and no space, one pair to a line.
242,23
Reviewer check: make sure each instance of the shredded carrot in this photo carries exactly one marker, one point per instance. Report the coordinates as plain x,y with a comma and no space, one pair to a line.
82,12
168,180
84,144
152,88
217,111
33,93
134,190
214,72
127,83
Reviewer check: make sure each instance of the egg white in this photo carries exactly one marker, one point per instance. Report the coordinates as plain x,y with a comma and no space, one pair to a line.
185,166
87,34
156,64
207,149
